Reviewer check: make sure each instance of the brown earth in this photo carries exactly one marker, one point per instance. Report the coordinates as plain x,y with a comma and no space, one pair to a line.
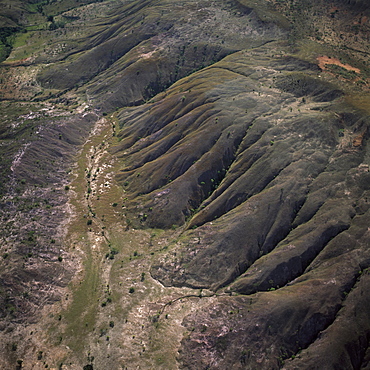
186,185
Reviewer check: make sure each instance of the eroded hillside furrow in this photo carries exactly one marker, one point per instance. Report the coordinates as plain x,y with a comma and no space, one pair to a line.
286,262
329,271
148,67
272,172
97,59
35,209
163,139
137,125
185,185
352,342
291,312
235,195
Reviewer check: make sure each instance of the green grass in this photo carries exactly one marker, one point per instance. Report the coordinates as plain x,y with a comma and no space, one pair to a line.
4,52
309,50
20,39
360,101
39,36
102,294
35,7
267,14
342,72
81,315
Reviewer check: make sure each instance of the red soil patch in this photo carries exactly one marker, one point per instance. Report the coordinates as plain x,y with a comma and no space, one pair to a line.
17,63
357,141
324,60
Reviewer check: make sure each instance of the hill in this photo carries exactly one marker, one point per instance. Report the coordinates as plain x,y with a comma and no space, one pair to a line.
185,185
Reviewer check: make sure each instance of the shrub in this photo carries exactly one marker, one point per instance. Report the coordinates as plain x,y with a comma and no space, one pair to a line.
112,253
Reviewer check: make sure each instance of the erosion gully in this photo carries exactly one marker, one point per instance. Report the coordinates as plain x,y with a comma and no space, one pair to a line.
113,314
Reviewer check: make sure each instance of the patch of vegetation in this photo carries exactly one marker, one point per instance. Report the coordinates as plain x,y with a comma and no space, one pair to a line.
112,253
342,72
6,41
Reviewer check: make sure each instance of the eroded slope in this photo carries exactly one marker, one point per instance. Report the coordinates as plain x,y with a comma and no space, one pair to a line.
265,163
221,206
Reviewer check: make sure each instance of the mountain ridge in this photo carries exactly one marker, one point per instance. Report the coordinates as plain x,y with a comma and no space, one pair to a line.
186,186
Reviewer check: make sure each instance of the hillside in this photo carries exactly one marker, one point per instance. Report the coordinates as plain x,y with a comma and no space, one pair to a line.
185,184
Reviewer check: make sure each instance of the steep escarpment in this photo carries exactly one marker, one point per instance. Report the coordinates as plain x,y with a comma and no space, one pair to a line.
265,163
33,206
186,185
259,163
140,54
